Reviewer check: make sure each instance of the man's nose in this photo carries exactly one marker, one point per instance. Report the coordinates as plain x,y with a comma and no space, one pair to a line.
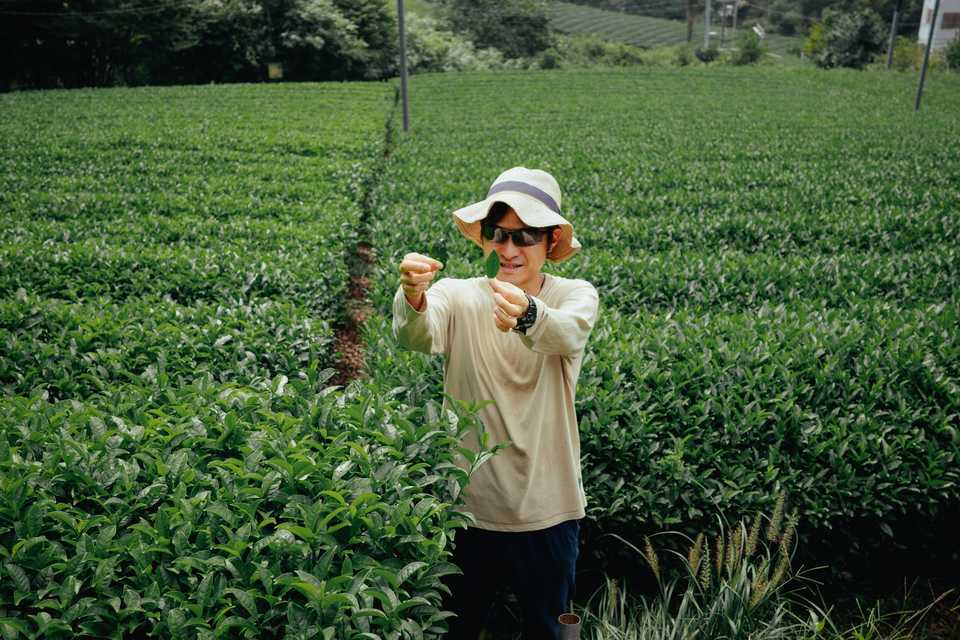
508,249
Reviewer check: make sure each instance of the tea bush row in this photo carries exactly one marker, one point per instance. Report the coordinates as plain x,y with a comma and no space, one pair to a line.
282,508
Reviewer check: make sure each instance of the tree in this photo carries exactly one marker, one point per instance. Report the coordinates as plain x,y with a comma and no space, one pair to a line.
518,28
850,39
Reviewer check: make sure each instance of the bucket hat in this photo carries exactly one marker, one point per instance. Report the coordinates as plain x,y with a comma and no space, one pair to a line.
535,196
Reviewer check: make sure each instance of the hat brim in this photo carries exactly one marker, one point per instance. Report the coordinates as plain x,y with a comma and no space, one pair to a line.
531,211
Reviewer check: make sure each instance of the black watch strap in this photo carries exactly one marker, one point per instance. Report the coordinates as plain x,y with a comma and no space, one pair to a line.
526,321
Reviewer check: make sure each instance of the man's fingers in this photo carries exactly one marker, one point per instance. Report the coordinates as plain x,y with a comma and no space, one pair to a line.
509,308
419,263
510,292
416,266
412,277
500,323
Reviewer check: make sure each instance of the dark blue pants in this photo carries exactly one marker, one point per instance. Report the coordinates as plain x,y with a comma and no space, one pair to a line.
539,566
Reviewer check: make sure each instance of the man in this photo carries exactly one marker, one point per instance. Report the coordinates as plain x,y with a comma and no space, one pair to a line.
517,339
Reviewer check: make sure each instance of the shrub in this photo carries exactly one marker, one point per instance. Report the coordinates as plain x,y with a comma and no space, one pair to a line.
749,48
905,53
588,51
707,55
815,43
550,59
952,53
683,56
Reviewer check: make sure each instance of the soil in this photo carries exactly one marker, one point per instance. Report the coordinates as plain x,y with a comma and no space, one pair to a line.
357,310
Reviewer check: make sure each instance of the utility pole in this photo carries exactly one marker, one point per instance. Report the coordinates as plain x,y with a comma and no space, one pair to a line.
893,33
723,22
706,27
403,66
736,10
926,55
686,7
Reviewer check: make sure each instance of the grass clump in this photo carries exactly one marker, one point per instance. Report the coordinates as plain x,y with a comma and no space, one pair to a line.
736,584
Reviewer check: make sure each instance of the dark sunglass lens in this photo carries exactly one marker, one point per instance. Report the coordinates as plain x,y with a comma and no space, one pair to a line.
527,237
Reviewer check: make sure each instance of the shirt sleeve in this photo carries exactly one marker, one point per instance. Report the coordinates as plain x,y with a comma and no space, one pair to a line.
425,330
563,330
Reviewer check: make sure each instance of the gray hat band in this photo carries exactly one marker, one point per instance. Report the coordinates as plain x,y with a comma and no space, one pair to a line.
527,189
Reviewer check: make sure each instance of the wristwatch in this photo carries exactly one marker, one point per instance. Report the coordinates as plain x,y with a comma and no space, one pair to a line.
526,321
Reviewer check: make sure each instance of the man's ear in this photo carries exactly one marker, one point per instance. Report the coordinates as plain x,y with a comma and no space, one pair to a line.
555,239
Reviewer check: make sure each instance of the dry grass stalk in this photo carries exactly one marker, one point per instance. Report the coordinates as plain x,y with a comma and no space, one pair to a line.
705,569
759,590
652,558
733,549
776,520
696,553
718,556
782,565
612,602
753,538
788,534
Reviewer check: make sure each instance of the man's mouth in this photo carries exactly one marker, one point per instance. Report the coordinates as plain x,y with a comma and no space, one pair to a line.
506,266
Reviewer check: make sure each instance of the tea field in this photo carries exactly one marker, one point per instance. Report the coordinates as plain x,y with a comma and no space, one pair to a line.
776,253
173,459
648,32
778,265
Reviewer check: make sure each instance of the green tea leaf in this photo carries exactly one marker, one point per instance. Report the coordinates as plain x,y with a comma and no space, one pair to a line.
491,266
19,577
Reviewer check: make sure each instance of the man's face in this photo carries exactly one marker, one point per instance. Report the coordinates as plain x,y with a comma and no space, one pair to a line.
519,265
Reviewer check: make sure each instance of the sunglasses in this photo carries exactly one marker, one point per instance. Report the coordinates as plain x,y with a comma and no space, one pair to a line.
526,237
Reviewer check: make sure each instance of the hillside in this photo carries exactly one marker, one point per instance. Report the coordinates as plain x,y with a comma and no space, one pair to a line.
643,31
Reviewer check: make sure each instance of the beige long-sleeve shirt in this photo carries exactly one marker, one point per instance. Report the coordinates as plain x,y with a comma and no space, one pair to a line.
536,482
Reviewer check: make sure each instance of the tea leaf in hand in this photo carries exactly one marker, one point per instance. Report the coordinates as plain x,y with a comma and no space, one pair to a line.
491,265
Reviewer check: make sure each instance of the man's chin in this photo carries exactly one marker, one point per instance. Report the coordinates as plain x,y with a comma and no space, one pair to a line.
513,277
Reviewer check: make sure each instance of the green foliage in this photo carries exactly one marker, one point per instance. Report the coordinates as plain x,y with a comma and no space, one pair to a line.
317,39
138,42
579,52
815,44
850,39
432,47
268,510
951,53
518,28
905,54
750,48
707,55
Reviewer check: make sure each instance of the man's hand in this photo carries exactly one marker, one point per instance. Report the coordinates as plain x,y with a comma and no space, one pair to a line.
416,272
510,303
